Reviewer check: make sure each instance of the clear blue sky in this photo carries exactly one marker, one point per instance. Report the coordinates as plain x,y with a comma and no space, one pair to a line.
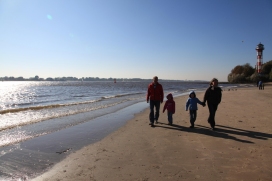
173,39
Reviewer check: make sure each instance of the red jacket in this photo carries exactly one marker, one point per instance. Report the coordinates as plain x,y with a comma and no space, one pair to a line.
154,93
170,104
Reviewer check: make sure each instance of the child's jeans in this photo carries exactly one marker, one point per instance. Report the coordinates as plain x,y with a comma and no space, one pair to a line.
193,115
170,117
212,110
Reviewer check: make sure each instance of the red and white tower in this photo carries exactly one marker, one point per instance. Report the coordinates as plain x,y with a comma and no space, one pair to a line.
259,64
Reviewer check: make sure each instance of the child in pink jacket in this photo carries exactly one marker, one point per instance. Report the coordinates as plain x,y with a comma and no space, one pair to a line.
170,106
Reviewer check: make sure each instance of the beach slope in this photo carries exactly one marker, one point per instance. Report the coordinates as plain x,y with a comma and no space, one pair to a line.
239,149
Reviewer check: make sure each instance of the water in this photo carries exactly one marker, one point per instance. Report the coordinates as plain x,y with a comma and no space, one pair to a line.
38,110
28,103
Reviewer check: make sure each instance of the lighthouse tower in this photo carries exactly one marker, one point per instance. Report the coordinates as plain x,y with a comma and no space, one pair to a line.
259,49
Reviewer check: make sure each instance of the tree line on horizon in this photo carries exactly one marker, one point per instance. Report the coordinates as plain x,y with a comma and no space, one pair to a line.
37,78
239,74
247,74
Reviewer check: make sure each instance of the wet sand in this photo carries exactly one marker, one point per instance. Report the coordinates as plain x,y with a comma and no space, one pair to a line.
239,148
34,156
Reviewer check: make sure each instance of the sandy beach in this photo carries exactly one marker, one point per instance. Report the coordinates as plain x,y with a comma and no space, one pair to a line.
239,149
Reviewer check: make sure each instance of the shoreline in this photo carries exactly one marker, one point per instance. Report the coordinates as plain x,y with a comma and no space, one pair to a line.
239,149
37,155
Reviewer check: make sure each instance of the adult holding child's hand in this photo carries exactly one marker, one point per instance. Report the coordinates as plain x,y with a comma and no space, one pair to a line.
213,97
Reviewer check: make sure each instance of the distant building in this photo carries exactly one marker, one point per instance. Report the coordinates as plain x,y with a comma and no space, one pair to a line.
259,49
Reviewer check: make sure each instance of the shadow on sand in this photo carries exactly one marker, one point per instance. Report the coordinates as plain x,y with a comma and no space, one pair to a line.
220,131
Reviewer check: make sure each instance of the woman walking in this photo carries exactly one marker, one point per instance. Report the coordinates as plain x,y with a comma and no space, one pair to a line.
213,97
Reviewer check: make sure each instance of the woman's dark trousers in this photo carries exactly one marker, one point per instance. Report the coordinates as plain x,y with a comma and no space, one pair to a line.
212,110
155,116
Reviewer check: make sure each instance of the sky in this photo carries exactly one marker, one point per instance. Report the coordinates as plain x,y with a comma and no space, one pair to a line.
172,39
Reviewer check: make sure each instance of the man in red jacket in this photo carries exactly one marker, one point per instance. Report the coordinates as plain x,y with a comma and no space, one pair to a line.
155,97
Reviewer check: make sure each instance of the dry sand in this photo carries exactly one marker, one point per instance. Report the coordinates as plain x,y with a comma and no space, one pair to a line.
240,148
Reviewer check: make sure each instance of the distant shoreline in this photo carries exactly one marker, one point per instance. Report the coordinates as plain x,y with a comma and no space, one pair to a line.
121,80
96,79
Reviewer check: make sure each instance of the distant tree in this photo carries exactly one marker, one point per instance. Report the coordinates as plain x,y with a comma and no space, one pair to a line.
49,79
266,69
254,77
241,74
20,78
237,70
248,70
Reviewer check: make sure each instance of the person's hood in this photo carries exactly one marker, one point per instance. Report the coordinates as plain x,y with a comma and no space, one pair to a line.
192,92
169,96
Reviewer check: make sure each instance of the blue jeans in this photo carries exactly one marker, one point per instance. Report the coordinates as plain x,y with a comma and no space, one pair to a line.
155,116
212,110
193,114
170,117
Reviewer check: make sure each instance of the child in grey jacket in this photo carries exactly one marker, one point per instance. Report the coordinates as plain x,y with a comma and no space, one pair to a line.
191,104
